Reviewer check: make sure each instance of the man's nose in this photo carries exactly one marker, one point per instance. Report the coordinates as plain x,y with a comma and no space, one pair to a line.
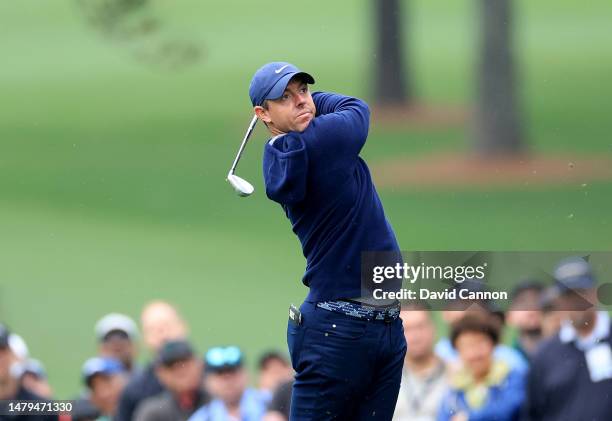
300,99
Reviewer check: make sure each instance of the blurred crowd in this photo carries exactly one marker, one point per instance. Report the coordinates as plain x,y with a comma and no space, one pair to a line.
556,366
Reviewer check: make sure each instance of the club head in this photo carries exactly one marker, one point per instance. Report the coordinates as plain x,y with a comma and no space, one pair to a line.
242,187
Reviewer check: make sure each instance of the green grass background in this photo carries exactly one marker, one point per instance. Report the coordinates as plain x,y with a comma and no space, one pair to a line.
112,188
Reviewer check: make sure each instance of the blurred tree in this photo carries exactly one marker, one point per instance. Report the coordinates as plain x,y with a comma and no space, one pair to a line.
392,84
498,128
136,26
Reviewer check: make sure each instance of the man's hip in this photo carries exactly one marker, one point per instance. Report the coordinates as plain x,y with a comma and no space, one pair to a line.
341,355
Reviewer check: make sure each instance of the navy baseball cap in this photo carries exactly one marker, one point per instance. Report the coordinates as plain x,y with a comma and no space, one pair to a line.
574,273
102,366
174,351
270,81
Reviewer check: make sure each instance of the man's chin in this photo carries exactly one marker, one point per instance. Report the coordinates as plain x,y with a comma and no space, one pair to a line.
303,126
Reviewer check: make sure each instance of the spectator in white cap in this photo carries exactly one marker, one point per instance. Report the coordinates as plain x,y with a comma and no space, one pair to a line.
18,346
117,335
11,388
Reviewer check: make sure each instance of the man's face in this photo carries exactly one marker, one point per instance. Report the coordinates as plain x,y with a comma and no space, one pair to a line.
524,313
292,112
182,376
38,385
419,333
476,352
119,347
105,392
228,385
161,323
274,373
6,359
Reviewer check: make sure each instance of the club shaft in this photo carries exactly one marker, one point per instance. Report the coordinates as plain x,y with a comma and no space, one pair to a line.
243,144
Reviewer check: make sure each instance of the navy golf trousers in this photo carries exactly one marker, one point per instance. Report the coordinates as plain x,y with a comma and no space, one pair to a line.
346,368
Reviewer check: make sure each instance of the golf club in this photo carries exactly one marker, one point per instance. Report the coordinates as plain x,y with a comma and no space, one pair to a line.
242,187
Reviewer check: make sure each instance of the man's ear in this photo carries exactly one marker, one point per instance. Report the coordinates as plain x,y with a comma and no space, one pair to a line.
262,114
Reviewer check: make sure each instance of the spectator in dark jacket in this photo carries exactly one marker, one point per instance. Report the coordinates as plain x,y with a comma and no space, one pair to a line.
571,374
181,373
280,405
161,322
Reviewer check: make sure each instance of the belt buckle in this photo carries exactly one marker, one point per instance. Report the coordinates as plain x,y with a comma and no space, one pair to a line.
388,317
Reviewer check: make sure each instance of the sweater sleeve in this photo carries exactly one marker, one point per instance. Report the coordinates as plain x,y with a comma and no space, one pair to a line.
339,130
285,168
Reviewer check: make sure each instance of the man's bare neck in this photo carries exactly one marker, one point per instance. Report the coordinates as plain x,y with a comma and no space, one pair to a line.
275,132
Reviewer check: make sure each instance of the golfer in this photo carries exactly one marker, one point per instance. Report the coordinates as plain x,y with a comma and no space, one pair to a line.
347,350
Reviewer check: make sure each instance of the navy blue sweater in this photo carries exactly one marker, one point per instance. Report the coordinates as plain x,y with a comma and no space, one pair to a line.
327,193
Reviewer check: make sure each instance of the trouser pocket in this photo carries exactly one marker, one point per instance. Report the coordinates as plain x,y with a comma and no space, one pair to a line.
295,337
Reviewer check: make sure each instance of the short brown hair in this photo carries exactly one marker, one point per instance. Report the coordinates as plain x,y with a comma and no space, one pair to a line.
475,323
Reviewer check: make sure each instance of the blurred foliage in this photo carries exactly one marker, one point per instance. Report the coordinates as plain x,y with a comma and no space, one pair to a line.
135,23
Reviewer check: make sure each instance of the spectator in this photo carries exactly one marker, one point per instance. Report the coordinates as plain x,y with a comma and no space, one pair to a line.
279,406
10,387
525,315
456,309
161,322
424,381
274,369
105,378
33,377
181,373
571,374
117,335
485,388
551,314
227,382
18,346
82,410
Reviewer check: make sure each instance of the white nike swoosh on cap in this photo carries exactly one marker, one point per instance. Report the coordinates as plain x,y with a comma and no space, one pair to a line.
281,69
